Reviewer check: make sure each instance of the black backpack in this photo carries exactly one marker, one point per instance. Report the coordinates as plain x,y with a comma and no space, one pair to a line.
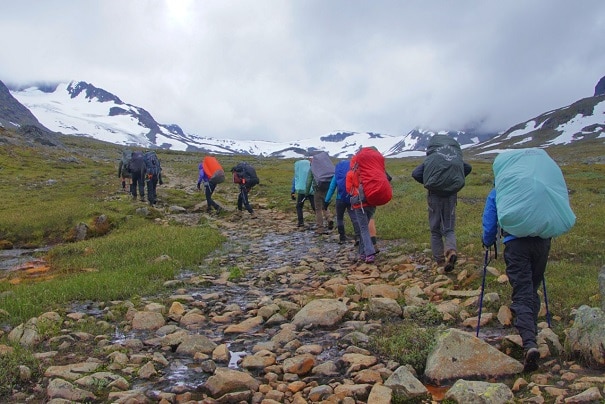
245,171
152,163
443,166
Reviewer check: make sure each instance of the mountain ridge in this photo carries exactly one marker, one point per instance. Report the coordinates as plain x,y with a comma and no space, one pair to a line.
81,109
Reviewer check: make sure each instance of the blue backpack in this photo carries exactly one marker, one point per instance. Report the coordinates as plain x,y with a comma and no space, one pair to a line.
152,163
340,173
531,194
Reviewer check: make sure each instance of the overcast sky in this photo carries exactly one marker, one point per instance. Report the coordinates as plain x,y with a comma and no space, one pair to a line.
293,69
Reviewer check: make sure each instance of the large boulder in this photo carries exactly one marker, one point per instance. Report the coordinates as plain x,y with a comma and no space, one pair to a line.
460,355
320,312
586,337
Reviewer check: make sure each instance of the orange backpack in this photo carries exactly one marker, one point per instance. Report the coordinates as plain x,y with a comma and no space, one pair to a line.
213,170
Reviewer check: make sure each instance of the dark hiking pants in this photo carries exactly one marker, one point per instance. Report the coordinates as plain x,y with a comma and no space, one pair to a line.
442,222
300,201
209,190
341,208
526,260
242,199
138,182
152,185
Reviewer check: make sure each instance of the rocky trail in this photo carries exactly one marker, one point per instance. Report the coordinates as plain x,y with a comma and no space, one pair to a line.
287,316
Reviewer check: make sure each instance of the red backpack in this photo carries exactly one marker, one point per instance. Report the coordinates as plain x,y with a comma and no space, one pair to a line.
374,186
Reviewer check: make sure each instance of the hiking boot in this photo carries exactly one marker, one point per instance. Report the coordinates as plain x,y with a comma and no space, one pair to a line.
531,360
370,259
342,239
300,224
450,260
362,257
330,224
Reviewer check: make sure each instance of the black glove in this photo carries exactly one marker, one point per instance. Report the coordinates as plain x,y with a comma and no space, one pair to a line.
198,185
293,196
161,182
326,204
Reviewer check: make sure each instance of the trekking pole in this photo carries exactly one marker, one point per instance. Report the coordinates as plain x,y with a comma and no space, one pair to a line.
485,263
546,302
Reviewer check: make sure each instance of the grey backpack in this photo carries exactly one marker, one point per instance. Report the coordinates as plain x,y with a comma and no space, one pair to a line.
443,166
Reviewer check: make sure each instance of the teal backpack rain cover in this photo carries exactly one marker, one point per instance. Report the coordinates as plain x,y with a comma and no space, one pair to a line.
531,194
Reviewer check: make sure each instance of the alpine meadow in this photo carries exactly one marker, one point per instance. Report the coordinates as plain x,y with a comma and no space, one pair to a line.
47,192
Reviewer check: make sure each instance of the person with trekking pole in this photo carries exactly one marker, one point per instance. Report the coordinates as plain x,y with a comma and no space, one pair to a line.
528,205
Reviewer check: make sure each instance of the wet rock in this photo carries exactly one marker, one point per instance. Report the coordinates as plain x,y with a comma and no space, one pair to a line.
384,307
404,383
464,391
94,380
245,326
320,312
72,371
590,395
459,355
586,337
226,381
59,388
192,344
380,394
147,320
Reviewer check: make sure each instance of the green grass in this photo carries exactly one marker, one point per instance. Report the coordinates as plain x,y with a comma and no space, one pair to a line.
46,192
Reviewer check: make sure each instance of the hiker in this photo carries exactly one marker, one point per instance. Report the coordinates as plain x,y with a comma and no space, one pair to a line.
137,171
372,224
123,173
153,176
343,200
211,174
368,185
530,202
322,171
302,168
245,176
443,174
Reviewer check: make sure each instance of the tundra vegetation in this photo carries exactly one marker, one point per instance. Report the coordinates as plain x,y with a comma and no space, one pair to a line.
46,192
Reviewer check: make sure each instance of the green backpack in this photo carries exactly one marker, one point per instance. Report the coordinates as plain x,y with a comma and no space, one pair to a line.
443,166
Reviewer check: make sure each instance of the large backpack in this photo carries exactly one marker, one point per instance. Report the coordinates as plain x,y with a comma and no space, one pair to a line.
443,166
302,168
213,170
246,172
374,186
531,194
322,169
152,163
340,173
137,162
126,156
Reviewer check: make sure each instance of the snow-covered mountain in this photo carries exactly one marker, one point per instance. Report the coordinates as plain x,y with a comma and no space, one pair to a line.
81,109
584,120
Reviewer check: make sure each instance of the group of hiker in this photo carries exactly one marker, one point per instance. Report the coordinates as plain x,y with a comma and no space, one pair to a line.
528,206
137,169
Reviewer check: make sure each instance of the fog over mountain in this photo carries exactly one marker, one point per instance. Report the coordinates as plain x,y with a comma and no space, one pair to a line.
81,109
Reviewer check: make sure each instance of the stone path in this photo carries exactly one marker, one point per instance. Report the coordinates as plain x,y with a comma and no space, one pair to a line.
291,327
